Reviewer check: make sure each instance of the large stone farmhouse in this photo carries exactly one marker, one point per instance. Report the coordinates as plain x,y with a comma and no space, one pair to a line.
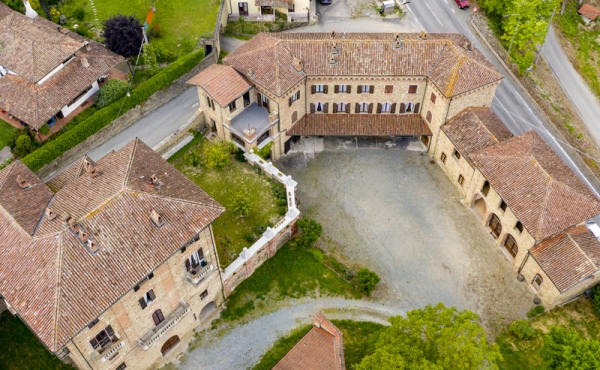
46,71
110,264
277,88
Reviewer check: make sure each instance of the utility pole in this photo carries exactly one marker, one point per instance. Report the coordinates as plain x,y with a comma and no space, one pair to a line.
546,35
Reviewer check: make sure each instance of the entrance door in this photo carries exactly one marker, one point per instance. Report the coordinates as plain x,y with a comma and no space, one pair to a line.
287,146
169,344
243,9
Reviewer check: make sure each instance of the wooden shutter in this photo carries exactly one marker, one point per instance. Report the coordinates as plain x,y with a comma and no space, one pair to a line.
371,89
429,116
417,107
290,102
200,253
94,343
313,89
402,108
110,331
393,109
371,108
158,317
359,89
258,99
357,108
312,107
143,303
348,89
336,89
151,295
325,107
298,94
378,107
335,107
325,89
348,108
187,264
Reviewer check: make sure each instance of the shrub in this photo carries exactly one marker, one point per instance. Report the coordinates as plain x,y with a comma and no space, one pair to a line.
123,35
106,115
217,156
240,204
250,237
596,299
23,144
282,211
535,311
239,155
79,13
319,256
44,130
279,191
260,229
310,231
366,280
54,14
156,29
281,202
522,329
112,91
265,151
164,55
149,59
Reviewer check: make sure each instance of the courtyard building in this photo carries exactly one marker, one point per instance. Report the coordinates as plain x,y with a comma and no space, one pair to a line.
111,263
46,71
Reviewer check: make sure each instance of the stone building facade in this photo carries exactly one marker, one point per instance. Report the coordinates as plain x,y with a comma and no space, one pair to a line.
129,265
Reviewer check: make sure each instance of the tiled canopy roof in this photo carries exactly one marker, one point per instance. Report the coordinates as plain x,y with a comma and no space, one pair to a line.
474,129
222,83
452,67
589,11
342,124
34,47
568,257
52,280
275,3
544,194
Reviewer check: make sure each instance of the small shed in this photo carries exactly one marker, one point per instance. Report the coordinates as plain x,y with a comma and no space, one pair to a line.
588,13
388,6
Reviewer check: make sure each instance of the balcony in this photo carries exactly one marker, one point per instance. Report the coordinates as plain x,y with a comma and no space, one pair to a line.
112,351
199,273
161,329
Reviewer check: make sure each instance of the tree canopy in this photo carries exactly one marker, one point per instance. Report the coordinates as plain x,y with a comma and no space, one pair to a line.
565,349
433,338
123,35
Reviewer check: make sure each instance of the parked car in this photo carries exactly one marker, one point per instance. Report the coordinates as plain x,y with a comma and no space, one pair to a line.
462,4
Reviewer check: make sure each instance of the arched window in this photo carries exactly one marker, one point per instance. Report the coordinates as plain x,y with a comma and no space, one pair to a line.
386,107
341,107
537,281
511,246
428,116
158,317
495,225
409,107
294,116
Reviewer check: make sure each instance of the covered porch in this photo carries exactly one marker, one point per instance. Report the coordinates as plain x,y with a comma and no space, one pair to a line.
251,128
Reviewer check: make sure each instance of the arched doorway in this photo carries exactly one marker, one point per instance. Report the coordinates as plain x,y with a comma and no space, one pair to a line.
169,344
479,207
208,310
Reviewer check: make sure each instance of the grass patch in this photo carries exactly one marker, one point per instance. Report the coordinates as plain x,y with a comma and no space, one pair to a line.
359,341
293,272
6,133
20,349
524,354
233,233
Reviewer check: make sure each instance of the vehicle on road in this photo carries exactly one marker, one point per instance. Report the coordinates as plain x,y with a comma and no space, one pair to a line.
462,4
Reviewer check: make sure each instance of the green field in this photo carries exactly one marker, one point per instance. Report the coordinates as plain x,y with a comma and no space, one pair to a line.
6,132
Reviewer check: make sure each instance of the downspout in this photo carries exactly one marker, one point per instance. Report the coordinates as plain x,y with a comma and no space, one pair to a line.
219,267
230,9
523,263
78,350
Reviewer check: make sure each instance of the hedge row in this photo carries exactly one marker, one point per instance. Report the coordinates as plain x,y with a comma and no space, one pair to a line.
106,115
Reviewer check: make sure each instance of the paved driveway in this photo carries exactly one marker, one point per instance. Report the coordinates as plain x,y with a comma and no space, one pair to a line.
394,212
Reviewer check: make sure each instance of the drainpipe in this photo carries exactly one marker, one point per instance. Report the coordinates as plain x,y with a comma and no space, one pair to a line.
523,263
84,359
212,237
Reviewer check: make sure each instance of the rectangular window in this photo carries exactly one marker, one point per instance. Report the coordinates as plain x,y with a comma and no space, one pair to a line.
103,339
341,108
80,95
291,8
519,226
443,157
537,281
204,294
295,96
319,88
412,89
495,226
94,322
366,89
456,154
238,140
433,97
148,298
389,89
342,89
195,260
485,189
158,317
461,180
232,107
503,205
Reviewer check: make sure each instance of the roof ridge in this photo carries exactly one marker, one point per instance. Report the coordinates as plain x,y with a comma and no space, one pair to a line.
58,287
131,192
10,168
581,250
454,75
129,164
436,60
483,124
544,207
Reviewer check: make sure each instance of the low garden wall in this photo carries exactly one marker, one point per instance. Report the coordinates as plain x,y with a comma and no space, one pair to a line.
268,244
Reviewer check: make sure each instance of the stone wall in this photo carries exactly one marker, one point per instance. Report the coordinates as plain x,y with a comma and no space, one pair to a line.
2,306
158,99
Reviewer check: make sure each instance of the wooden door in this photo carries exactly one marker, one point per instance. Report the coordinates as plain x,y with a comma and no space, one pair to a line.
169,344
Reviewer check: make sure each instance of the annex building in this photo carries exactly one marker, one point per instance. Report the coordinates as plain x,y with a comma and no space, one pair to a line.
111,263
277,88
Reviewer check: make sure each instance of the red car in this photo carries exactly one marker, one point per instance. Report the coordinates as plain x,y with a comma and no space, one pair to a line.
462,4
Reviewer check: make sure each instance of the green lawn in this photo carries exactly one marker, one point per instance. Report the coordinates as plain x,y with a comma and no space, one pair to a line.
6,132
233,233
20,349
293,272
523,355
358,342
183,21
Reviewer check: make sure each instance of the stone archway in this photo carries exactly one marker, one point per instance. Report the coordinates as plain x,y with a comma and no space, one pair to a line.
170,344
479,207
208,310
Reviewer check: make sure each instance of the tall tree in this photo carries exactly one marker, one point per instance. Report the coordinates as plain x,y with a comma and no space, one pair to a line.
433,338
564,349
123,35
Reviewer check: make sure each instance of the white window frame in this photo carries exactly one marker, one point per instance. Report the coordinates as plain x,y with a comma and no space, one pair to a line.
386,107
366,89
319,88
319,107
341,107
343,88
295,96
409,107
363,107
147,298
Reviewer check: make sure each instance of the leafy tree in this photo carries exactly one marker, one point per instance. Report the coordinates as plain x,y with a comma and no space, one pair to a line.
596,300
240,204
54,14
149,58
22,145
112,91
522,329
193,158
366,280
218,155
123,35
79,13
310,231
565,349
16,5
433,338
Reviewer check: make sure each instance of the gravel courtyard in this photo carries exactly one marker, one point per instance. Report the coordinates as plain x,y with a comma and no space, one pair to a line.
394,212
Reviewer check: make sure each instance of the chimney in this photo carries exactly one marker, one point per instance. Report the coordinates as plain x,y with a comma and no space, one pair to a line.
423,35
155,217
22,182
87,46
51,215
92,246
74,226
84,62
467,45
297,64
249,134
90,167
154,180
397,42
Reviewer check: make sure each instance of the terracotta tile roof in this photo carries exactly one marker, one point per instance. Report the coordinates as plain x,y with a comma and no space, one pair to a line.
569,257
322,348
342,124
474,129
441,57
589,11
51,279
275,3
222,83
32,49
544,194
